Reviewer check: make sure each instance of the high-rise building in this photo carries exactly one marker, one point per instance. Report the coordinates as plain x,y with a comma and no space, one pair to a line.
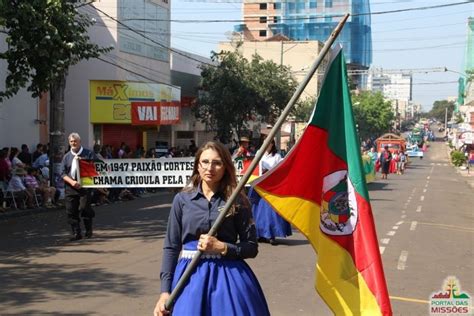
302,20
394,86
466,89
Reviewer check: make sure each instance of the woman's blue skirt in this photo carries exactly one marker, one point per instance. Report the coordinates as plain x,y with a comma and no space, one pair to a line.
217,287
268,222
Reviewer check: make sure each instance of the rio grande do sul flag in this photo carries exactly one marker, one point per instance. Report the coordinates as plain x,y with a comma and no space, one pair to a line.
87,171
320,188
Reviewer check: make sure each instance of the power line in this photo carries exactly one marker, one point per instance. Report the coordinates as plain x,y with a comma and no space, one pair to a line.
145,69
218,35
257,18
133,72
84,4
419,83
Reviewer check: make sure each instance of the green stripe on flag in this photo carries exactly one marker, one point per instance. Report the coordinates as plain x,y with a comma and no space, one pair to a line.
333,113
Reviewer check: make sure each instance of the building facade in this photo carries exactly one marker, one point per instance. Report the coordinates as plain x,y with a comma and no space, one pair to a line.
298,55
139,93
21,113
99,92
394,86
312,20
466,88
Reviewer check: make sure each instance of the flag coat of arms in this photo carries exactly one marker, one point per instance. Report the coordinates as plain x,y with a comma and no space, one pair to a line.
320,188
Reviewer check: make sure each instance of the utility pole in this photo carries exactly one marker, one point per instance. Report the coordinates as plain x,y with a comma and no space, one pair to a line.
57,140
278,133
446,121
397,126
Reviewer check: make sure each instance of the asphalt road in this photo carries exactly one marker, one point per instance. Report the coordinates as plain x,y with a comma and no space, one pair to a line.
424,222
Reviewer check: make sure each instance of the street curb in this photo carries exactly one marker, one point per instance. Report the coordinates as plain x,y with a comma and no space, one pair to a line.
19,213
467,178
40,210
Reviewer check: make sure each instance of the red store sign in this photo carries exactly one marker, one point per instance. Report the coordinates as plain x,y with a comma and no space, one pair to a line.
155,113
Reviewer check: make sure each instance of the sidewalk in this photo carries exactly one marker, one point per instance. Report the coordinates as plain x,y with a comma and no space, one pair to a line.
13,213
468,175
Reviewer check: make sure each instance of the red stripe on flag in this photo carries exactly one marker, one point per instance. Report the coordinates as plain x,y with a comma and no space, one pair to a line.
311,159
87,168
362,245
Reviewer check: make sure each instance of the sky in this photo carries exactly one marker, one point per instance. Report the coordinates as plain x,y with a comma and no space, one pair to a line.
430,38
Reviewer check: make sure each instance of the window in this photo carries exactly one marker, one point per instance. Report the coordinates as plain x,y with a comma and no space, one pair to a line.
275,19
313,4
328,3
263,33
299,6
263,19
277,6
291,6
263,6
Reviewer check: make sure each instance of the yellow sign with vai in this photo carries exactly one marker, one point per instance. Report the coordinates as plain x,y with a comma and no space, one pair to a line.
110,101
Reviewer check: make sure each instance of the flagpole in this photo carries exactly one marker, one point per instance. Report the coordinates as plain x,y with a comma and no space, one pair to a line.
190,268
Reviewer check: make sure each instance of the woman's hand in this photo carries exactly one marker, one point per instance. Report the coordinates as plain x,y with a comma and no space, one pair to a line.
160,309
211,244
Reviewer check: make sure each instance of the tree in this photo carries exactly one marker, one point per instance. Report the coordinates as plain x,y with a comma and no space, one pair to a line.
374,115
438,110
45,38
303,109
237,91
274,85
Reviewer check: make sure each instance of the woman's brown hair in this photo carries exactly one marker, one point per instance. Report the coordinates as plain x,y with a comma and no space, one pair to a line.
228,182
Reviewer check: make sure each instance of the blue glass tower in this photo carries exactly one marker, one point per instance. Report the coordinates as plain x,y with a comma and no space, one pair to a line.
315,20
302,20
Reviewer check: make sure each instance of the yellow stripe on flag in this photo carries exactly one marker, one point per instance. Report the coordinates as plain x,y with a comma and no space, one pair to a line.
87,181
338,282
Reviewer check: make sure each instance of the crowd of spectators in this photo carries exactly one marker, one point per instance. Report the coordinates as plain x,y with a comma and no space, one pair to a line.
24,178
24,175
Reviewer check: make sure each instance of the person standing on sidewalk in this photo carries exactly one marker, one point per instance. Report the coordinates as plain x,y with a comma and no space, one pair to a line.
78,199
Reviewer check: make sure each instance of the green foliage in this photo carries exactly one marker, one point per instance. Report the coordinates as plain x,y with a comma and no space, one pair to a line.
458,118
438,110
238,90
303,109
470,74
45,38
373,115
458,158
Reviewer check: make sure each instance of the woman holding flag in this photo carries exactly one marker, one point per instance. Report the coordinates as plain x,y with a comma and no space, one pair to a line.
222,284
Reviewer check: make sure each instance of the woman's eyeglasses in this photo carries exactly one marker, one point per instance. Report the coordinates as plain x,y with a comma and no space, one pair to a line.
211,164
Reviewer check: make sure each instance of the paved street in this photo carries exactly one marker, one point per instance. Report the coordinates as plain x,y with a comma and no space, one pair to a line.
425,228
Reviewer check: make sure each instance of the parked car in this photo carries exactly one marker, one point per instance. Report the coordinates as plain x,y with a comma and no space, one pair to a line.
414,151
